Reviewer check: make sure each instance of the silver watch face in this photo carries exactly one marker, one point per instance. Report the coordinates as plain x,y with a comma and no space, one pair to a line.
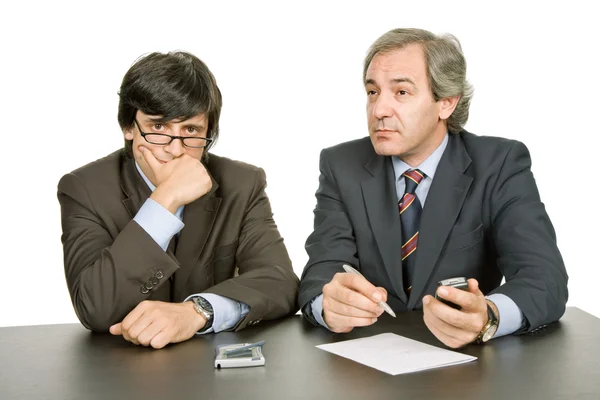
198,303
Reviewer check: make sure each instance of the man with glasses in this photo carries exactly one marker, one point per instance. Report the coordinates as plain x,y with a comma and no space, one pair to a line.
161,239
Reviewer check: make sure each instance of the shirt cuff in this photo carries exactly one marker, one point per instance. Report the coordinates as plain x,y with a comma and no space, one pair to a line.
511,317
158,222
226,312
316,306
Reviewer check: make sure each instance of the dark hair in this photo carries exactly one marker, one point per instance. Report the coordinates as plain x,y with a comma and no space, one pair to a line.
176,85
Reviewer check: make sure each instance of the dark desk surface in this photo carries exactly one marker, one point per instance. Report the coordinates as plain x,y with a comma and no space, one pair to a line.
68,362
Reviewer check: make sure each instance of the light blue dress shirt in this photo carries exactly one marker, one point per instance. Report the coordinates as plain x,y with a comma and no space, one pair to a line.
161,225
511,317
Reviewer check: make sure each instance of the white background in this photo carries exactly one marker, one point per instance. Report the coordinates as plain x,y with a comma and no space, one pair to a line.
291,81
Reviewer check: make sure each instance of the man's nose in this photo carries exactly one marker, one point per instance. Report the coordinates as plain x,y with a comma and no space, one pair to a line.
176,147
382,107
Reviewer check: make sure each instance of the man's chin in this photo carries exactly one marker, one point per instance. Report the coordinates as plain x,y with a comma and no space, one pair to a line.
386,148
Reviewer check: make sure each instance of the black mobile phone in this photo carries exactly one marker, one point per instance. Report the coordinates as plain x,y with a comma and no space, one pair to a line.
459,283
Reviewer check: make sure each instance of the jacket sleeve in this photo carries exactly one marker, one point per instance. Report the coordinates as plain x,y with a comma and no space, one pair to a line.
266,281
332,242
525,242
106,274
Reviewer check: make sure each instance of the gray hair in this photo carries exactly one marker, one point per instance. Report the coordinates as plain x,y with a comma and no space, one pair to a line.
445,63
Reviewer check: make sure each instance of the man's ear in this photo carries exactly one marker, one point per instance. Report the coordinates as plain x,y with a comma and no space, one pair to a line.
447,106
128,133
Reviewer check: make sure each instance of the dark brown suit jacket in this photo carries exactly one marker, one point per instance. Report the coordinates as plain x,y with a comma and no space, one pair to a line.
112,264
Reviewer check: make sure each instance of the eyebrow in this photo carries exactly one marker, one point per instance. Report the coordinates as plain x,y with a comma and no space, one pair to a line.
159,120
403,80
154,120
395,80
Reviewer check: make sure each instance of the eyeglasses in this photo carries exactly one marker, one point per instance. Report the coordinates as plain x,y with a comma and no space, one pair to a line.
164,139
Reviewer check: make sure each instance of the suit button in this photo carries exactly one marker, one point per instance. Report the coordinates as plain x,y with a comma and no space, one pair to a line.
144,290
153,281
149,285
159,274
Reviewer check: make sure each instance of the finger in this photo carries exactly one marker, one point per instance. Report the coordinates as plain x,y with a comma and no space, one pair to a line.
466,300
150,159
146,336
126,337
474,286
459,319
476,302
161,339
460,336
343,330
347,296
384,293
442,337
139,326
115,329
361,285
332,304
334,320
134,315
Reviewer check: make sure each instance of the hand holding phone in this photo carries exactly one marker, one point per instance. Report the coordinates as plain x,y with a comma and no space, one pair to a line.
459,283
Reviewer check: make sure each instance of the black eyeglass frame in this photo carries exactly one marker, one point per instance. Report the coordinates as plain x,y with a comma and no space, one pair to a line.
182,138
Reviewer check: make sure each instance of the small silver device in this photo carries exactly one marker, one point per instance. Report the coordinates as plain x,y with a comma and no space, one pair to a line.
240,355
459,283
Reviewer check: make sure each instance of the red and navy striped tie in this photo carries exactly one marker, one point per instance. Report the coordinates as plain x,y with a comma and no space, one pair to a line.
410,216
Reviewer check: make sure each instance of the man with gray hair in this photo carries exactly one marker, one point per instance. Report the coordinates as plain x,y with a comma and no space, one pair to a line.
421,200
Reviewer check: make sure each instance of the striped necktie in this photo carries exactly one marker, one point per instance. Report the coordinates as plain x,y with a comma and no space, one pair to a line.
410,216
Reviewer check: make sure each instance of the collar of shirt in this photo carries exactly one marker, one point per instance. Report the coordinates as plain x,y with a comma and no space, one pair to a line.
428,166
179,212
150,185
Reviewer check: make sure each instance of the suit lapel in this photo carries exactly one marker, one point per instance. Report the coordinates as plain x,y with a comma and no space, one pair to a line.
379,193
135,189
444,202
198,217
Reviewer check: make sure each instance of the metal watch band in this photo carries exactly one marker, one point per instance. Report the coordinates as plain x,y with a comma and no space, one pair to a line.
204,308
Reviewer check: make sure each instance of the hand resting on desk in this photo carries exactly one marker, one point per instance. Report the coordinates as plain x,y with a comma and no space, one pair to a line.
156,323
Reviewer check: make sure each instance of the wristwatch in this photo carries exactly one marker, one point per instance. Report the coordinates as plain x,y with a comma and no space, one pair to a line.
489,329
203,307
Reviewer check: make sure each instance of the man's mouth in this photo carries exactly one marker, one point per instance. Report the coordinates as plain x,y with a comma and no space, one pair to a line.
384,132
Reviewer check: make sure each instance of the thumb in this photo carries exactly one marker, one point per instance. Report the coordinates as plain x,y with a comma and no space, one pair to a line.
116,329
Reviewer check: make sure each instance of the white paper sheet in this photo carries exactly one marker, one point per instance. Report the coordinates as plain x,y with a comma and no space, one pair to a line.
395,354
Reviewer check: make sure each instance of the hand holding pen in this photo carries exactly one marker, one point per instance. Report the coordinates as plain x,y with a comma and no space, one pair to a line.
349,300
382,303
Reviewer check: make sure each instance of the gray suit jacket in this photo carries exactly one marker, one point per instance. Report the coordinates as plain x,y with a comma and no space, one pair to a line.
112,264
482,219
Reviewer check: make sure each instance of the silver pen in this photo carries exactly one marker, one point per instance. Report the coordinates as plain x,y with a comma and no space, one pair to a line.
383,304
